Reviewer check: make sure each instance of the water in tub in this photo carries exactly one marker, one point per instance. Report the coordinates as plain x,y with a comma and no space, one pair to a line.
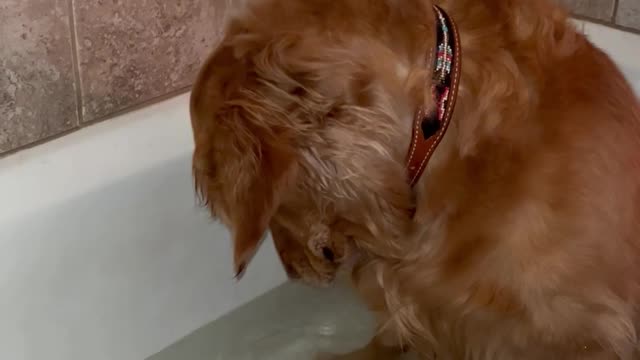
291,322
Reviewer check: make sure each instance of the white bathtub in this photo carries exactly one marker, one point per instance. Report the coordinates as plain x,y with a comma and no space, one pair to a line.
624,47
103,254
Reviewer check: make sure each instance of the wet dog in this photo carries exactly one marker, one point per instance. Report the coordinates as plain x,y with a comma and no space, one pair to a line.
512,234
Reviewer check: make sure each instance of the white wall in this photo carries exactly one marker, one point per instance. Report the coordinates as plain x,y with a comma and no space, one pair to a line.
103,254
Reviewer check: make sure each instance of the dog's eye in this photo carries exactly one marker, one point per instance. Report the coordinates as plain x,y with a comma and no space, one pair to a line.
298,91
328,254
333,113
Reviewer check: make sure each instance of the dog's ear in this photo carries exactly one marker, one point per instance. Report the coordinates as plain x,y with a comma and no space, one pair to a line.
240,163
259,198
221,75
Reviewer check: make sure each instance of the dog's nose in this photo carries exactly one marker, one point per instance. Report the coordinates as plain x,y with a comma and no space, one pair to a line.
328,254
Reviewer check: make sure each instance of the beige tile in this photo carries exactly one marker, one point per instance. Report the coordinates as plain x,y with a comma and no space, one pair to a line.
629,13
37,97
596,9
134,51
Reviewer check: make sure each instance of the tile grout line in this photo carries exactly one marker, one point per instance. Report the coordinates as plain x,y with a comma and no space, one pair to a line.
616,4
76,64
139,105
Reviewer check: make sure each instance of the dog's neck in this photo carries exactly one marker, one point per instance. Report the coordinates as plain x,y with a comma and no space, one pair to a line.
519,36
494,90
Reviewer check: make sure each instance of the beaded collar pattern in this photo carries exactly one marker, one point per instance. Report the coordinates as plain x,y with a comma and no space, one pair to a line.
430,124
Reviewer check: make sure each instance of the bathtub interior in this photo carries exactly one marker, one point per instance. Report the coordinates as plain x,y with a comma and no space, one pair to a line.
104,254
291,322
623,47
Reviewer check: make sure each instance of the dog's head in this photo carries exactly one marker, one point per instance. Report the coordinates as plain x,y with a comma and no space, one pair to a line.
302,118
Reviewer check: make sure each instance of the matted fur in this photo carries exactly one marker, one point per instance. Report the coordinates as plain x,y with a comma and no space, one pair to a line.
525,241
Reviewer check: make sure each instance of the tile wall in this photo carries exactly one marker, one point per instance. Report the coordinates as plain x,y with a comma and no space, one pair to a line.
619,13
68,63
65,64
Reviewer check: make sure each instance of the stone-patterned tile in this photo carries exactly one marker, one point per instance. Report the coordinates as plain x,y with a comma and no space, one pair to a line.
629,13
134,51
37,95
595,9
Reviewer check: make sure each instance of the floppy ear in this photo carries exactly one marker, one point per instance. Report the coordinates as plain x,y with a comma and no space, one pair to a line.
221,74
252,193
260,201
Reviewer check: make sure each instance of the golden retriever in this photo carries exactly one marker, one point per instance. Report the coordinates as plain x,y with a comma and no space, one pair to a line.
521,238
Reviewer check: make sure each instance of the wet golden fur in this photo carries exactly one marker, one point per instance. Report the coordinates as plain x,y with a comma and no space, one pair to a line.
525,243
